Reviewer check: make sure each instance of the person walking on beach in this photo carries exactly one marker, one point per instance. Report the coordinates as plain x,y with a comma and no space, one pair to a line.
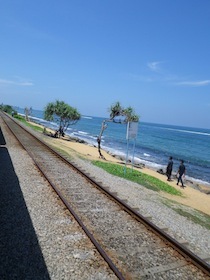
169,168
181,173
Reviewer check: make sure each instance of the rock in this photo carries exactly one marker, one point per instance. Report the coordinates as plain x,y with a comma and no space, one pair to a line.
161,171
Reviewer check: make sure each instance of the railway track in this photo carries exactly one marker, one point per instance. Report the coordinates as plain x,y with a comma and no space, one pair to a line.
133,247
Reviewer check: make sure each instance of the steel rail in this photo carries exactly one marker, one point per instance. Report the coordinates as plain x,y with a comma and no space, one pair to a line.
185,252
67,204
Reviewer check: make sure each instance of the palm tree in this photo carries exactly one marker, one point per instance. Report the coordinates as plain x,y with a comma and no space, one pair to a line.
28,112
116,110
63,113
130,115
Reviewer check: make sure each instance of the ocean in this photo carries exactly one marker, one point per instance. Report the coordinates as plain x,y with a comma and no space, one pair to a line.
153,145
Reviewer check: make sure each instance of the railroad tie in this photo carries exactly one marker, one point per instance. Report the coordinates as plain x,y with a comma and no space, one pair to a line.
163,268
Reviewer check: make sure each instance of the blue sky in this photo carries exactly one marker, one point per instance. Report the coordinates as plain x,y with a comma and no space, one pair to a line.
151,55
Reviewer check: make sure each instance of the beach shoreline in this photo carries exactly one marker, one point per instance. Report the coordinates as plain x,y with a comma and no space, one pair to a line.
137,165
152,147
194,195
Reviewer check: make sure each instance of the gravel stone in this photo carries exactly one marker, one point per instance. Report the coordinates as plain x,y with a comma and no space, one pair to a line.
49,244
39,239
151,204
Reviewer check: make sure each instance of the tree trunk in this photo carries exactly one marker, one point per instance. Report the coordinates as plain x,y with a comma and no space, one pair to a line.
103,127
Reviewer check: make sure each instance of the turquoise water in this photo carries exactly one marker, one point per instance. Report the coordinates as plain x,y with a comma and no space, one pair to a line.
153,145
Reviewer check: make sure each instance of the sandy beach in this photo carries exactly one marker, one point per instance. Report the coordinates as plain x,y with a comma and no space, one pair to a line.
191,197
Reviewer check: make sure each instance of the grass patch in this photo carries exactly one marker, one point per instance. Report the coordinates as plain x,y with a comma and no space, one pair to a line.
145,180
33,126
62,152
193,215
40,129
198,218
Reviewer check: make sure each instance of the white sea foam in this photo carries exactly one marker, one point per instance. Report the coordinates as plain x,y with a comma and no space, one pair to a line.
34,118
82,132
136,160
200,182
186,131
146,155
93,137
86,117
151,165
118,150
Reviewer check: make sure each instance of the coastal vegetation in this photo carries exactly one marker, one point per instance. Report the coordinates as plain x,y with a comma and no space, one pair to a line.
124,116
8,109
145,180
135,176
197,217
11,111
25,122
62,113
192,215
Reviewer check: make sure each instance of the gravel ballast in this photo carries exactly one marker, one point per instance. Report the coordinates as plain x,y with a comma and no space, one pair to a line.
49,224
39,239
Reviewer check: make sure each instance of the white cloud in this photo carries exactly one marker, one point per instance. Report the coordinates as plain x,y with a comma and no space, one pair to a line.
154,66
136,77
159,76
194,83
25,84
16,83
5,82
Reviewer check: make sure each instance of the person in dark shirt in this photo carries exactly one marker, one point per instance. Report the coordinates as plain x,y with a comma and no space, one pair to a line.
181,173
169,168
